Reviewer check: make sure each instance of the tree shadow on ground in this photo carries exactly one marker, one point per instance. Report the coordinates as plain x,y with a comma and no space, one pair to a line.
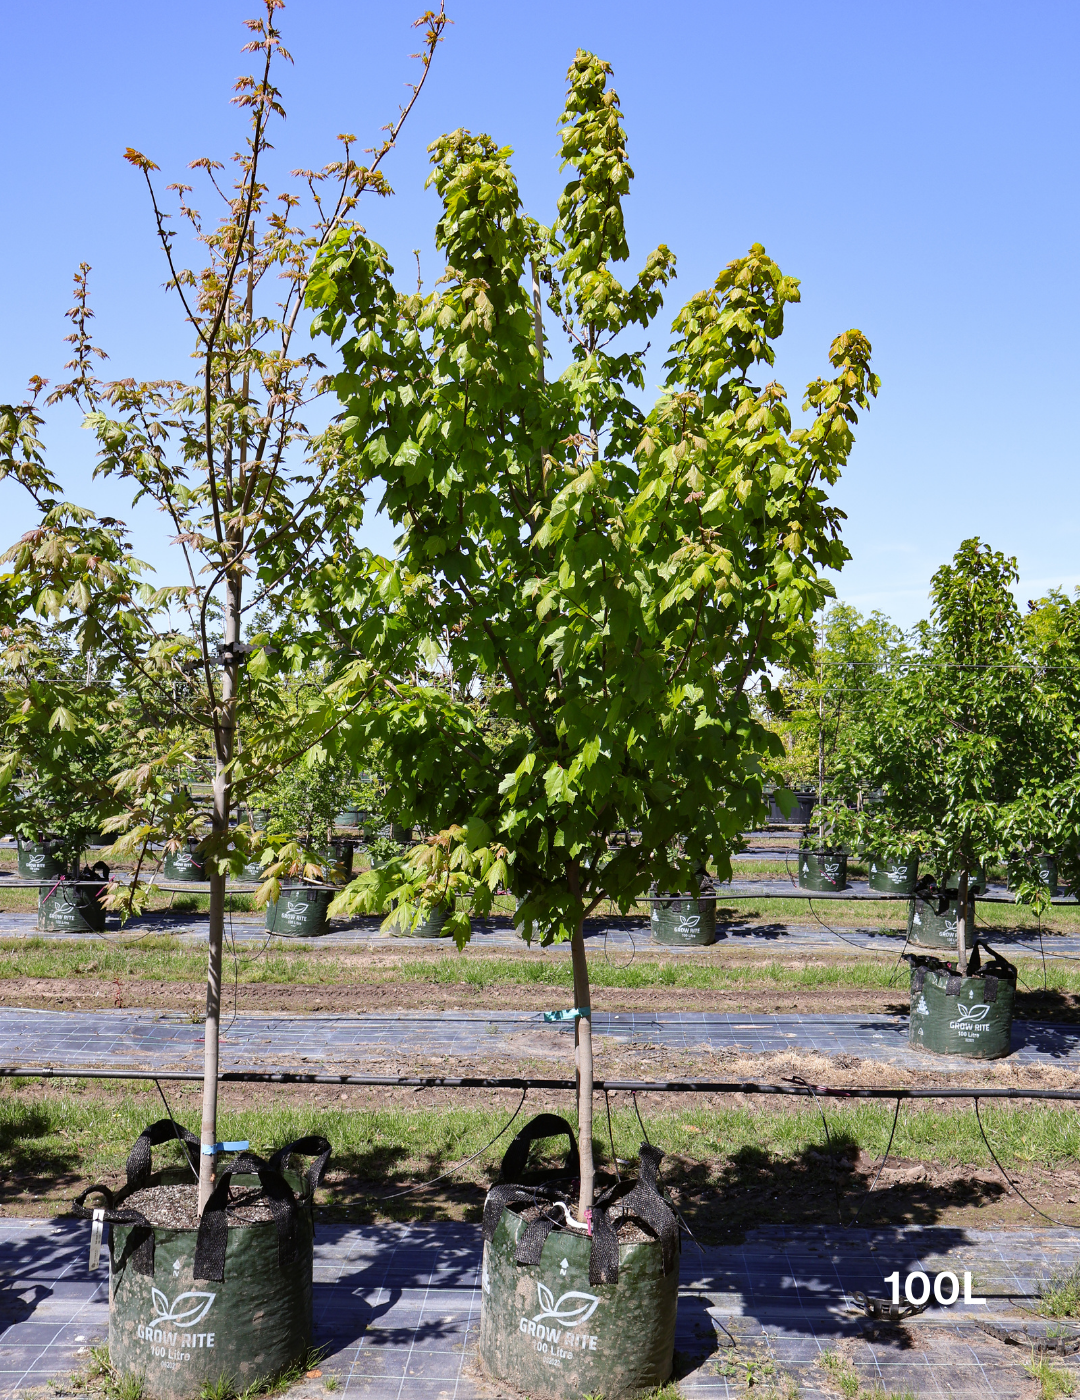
31,1162
722,1200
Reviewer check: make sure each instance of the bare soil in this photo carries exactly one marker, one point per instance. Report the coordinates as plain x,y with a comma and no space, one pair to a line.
355,998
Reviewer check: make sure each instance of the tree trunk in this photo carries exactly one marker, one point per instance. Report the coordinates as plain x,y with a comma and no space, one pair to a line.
583,1062
222,803
821,734
961,923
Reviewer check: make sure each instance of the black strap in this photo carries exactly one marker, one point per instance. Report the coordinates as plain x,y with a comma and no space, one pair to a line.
164,1130
544,1125
883,1310
531,1240
953,985
213,1237
918,977
604,1254
990,988
140,1244
640,1201
312,1146
1000,967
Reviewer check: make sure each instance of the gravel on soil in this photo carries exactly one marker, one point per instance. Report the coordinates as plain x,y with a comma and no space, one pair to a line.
177,1207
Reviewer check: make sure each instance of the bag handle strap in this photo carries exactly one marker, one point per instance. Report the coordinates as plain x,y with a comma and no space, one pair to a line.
164,1130
141,1241
314,1146
212,1240
544,1125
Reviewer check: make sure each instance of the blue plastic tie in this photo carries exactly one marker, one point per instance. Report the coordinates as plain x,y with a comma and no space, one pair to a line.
211,1149
569,1015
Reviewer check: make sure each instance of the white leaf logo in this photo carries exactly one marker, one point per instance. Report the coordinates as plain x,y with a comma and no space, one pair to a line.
572,1308
978,1012
690,921
197,1306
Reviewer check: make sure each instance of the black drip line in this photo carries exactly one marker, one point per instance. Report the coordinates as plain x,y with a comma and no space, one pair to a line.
789,1088
176,1130
1005,1175
794,1087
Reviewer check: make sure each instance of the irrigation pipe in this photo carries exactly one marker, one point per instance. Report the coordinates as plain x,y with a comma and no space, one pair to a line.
629,1086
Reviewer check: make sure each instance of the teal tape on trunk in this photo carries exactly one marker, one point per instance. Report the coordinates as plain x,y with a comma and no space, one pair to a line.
570,1015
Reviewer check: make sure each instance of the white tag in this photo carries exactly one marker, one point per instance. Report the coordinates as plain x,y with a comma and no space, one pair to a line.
95,1238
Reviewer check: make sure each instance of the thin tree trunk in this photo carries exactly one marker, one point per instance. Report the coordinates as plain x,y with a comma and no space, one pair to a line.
222,803
583,1062
821,733
961,923
223,767
538,321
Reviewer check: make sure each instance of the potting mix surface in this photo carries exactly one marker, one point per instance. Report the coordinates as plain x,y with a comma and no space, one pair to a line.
397,1310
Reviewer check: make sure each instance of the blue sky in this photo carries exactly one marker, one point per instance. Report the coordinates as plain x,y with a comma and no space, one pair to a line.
914,164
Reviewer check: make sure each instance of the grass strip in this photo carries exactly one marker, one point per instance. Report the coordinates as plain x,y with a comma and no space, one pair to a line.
166,959
73,1128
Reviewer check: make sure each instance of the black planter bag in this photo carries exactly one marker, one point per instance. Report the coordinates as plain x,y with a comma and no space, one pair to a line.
970,1015
248,1287
74,905
565,1313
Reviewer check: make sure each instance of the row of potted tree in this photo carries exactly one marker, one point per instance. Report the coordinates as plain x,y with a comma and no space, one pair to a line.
968,741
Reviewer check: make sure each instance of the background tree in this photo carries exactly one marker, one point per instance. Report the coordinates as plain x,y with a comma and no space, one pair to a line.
612,581
254,496
825,708
969,739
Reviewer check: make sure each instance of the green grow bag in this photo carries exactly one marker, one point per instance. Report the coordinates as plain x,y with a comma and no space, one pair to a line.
41,860
185,865
226,1299
300,912
66,906
1047,874
929,928
822,870
563,1314
891,876
340,852
432,926
348,816
976,879
969,1016
683,919
402,834
252,872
